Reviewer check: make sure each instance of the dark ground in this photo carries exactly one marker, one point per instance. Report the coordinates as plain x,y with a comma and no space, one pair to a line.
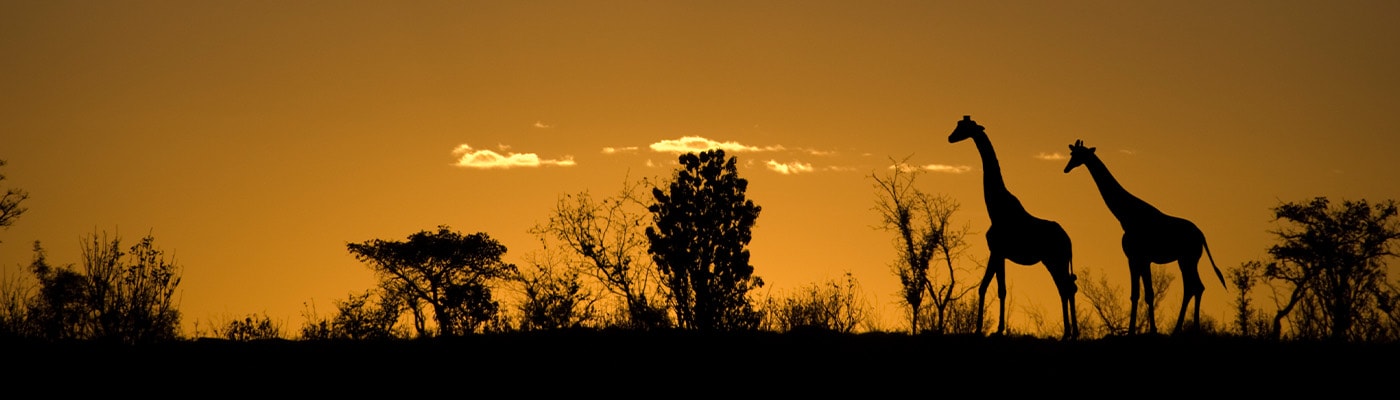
652,365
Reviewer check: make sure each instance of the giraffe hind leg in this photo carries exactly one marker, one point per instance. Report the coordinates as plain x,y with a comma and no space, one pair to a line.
992,271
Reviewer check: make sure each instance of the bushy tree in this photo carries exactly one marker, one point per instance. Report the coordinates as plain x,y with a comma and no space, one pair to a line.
120,295
699,243
1331,264
61,308
447,271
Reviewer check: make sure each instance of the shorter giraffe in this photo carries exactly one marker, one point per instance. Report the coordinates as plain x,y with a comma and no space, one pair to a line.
1149,237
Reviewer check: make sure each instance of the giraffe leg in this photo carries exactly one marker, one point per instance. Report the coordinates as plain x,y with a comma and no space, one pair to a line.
1181,316
982,292
1192,288
997,267
1149,297
1136,280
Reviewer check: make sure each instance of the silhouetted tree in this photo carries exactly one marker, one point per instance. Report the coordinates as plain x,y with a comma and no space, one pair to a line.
1331,261
608,235
702,228
1249,321
923,226
836,306
10,208
60,310
1105,299
447,271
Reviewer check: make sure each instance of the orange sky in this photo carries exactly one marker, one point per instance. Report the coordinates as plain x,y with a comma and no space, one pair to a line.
255,139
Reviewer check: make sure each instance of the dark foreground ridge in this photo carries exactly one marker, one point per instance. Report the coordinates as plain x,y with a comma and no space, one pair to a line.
595,362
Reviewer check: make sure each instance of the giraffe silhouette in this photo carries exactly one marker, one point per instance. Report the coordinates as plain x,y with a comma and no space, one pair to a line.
1149,237
1018,236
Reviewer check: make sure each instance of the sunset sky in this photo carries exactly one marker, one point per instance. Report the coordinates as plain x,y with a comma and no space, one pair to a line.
254,139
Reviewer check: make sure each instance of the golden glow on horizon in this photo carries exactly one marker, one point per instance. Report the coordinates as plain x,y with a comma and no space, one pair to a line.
255,139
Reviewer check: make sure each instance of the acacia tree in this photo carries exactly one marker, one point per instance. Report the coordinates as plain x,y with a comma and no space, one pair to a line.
445,270
699,243
923,226
607,233
1331,262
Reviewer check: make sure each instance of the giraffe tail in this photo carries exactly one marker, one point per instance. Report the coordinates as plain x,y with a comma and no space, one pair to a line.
1212,265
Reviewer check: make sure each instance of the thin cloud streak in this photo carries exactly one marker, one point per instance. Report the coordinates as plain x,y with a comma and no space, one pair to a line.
941,168
615,150
487,159
1050,156
795,167
948,169
689,144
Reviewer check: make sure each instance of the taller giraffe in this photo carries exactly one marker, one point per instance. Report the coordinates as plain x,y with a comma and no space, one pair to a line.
1149,236
1017,235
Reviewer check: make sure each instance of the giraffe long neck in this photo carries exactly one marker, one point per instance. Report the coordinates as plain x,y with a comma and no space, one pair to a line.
1126,207
1000,202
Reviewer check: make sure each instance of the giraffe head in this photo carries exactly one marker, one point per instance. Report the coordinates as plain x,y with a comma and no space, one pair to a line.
966,128
1078,154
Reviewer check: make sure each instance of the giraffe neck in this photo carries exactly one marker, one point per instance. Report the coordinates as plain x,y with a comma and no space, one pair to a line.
1000,202
1126,207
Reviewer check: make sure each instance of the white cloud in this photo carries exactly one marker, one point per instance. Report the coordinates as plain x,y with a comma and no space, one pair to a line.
615,150
542,125
1128,152
1050,156
688,144
487,159
817,152
795,167
949,169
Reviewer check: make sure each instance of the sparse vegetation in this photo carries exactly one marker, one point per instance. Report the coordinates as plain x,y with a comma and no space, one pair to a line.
835,306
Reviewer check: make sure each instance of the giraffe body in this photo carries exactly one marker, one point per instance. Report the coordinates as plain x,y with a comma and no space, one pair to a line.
1018,236
1149,237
